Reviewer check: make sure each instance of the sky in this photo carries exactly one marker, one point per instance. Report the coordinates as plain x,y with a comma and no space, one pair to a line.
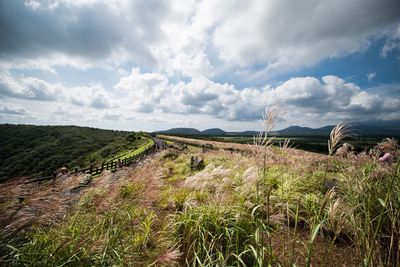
153,65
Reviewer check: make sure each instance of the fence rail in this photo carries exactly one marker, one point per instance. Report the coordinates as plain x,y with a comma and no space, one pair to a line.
113,164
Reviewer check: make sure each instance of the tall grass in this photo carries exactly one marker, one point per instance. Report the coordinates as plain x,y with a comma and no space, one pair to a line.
263,143
230,235
337,135
215,236
103,241
91,236
370,191
362,210
373,193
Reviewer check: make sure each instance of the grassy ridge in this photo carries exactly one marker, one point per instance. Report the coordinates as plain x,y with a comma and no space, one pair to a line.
126,154
28,149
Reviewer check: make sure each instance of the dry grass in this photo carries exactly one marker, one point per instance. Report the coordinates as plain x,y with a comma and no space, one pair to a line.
338,133
38,203
302,223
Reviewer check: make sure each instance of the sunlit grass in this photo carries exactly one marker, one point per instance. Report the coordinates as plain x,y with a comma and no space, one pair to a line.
279,214
130,153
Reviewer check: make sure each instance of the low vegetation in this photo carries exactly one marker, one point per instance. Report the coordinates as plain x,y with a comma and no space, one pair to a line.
144,144
40,150
315,144
249,205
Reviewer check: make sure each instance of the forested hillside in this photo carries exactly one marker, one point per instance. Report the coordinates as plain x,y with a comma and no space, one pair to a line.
39,150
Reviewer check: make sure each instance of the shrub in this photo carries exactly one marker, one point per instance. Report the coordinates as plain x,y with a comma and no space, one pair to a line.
170,155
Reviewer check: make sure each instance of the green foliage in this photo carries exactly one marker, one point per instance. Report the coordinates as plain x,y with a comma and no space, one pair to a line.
373,192
40,150
171,155
201,196
179,197
89,237
178,168
144,144
289,184
214,236
130,190
131,137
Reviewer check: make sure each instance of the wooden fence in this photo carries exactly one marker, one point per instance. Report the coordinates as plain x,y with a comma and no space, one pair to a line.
111,165
114,164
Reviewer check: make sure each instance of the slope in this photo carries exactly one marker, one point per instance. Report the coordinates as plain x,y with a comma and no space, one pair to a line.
39,150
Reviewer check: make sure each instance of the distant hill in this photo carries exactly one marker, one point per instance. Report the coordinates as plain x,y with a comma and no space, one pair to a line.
40,150
387,128
213,131
181,131
207,132
244,133
380,128
304,131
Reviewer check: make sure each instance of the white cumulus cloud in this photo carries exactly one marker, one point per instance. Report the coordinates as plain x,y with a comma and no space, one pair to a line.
329,97
12,109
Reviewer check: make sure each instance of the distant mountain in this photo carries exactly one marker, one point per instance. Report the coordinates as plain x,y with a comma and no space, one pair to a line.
213,131
298,130
245,133
207,132
387,128
381,128
181,131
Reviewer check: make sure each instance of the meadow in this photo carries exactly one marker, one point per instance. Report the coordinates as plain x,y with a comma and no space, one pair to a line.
307,143
247,205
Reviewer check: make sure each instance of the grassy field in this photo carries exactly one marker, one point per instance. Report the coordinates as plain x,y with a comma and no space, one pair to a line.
307,143
253,206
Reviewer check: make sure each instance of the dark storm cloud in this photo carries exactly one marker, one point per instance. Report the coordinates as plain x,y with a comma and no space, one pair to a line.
88,31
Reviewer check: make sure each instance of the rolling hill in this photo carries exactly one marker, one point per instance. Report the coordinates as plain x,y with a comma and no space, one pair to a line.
214,132
40,150
181,131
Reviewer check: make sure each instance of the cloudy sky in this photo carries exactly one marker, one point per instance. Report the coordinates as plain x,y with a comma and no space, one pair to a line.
152,65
